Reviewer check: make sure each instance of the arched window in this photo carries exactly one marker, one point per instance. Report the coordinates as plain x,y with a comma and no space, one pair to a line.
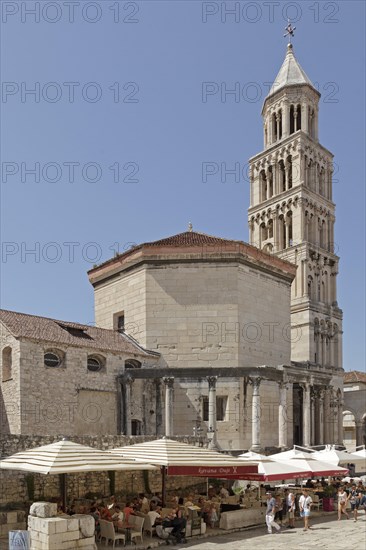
292,120
298,118
95,363
279,124
289,171
274,127
263,181
282,174
7,364
132,364
53,358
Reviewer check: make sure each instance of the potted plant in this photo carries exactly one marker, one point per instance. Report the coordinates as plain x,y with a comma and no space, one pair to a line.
328,498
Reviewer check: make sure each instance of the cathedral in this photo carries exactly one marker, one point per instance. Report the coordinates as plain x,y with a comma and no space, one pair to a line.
200,335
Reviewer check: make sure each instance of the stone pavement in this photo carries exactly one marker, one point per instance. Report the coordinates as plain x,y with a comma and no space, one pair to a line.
327,533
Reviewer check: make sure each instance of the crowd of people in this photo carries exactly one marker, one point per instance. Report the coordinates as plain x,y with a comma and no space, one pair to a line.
279,506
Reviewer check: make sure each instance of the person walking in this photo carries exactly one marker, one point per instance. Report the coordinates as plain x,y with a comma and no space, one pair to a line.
342,503
305,503
355,499
291,506
270,513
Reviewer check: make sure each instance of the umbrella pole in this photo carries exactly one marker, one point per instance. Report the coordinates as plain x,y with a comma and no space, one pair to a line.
163,485
63,491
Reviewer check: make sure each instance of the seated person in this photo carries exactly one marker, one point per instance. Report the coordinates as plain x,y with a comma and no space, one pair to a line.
94,512
118,516
128,510
156,500
224,493
178,522
143,503
309,484
155,516
105,513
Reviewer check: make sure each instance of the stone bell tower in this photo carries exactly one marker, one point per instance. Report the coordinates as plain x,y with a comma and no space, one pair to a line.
292,214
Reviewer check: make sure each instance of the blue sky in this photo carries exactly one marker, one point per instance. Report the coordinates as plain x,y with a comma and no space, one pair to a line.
118,96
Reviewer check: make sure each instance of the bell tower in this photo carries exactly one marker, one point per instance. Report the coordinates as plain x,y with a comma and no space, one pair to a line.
292,214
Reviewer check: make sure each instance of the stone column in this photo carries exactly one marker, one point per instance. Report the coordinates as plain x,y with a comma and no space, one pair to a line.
169,388
128,388
306,414
212,411
256,415
304,118
340,421
312,413
278,126
327,416
321,417
282,416
359,434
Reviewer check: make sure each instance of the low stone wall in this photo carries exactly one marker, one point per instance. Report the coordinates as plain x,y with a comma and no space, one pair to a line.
21,487
242,518
12,521
49,532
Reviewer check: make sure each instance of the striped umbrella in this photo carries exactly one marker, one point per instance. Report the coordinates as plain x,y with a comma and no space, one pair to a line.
66,457
176,458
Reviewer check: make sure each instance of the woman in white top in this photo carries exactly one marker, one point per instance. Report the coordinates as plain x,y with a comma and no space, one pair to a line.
305,503
342,503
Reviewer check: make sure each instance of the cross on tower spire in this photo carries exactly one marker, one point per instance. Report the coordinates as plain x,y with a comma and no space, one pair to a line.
290,31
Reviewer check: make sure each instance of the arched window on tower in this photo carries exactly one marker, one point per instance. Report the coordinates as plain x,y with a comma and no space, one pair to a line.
6,364
282,175
292,119
298,118
274,127
289,228
270,229
263,231
321,182
310,287
263,184
270,182
289,171
279,124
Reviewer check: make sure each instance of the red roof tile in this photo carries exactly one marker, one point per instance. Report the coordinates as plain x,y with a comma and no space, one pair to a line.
354,376
191,242
43,329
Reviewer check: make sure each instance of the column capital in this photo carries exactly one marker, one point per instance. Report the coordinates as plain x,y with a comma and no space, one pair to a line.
168,381
283,384
211,381
129,380
255,382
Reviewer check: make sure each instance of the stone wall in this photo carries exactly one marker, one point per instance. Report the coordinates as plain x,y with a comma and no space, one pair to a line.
20,487
69,399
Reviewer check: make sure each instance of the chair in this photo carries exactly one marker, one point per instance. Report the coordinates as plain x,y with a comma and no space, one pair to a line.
317,503
108,533
137,526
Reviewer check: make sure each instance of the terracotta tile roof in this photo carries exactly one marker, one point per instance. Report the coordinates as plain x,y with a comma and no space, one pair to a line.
354,376
23,325
191,238
193,242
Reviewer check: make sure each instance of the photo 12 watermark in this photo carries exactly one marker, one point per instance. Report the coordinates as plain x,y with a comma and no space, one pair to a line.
69,172
230,12
60,11
69,92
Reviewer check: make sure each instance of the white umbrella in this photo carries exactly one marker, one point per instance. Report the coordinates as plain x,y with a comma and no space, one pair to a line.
337,457
307,461
359,455
272,470
292,453
66,457
176,458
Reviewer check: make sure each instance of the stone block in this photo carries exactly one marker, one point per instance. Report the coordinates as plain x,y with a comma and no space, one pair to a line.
87,544
61,525
70,535
72,524
43,509
86,524
12,517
